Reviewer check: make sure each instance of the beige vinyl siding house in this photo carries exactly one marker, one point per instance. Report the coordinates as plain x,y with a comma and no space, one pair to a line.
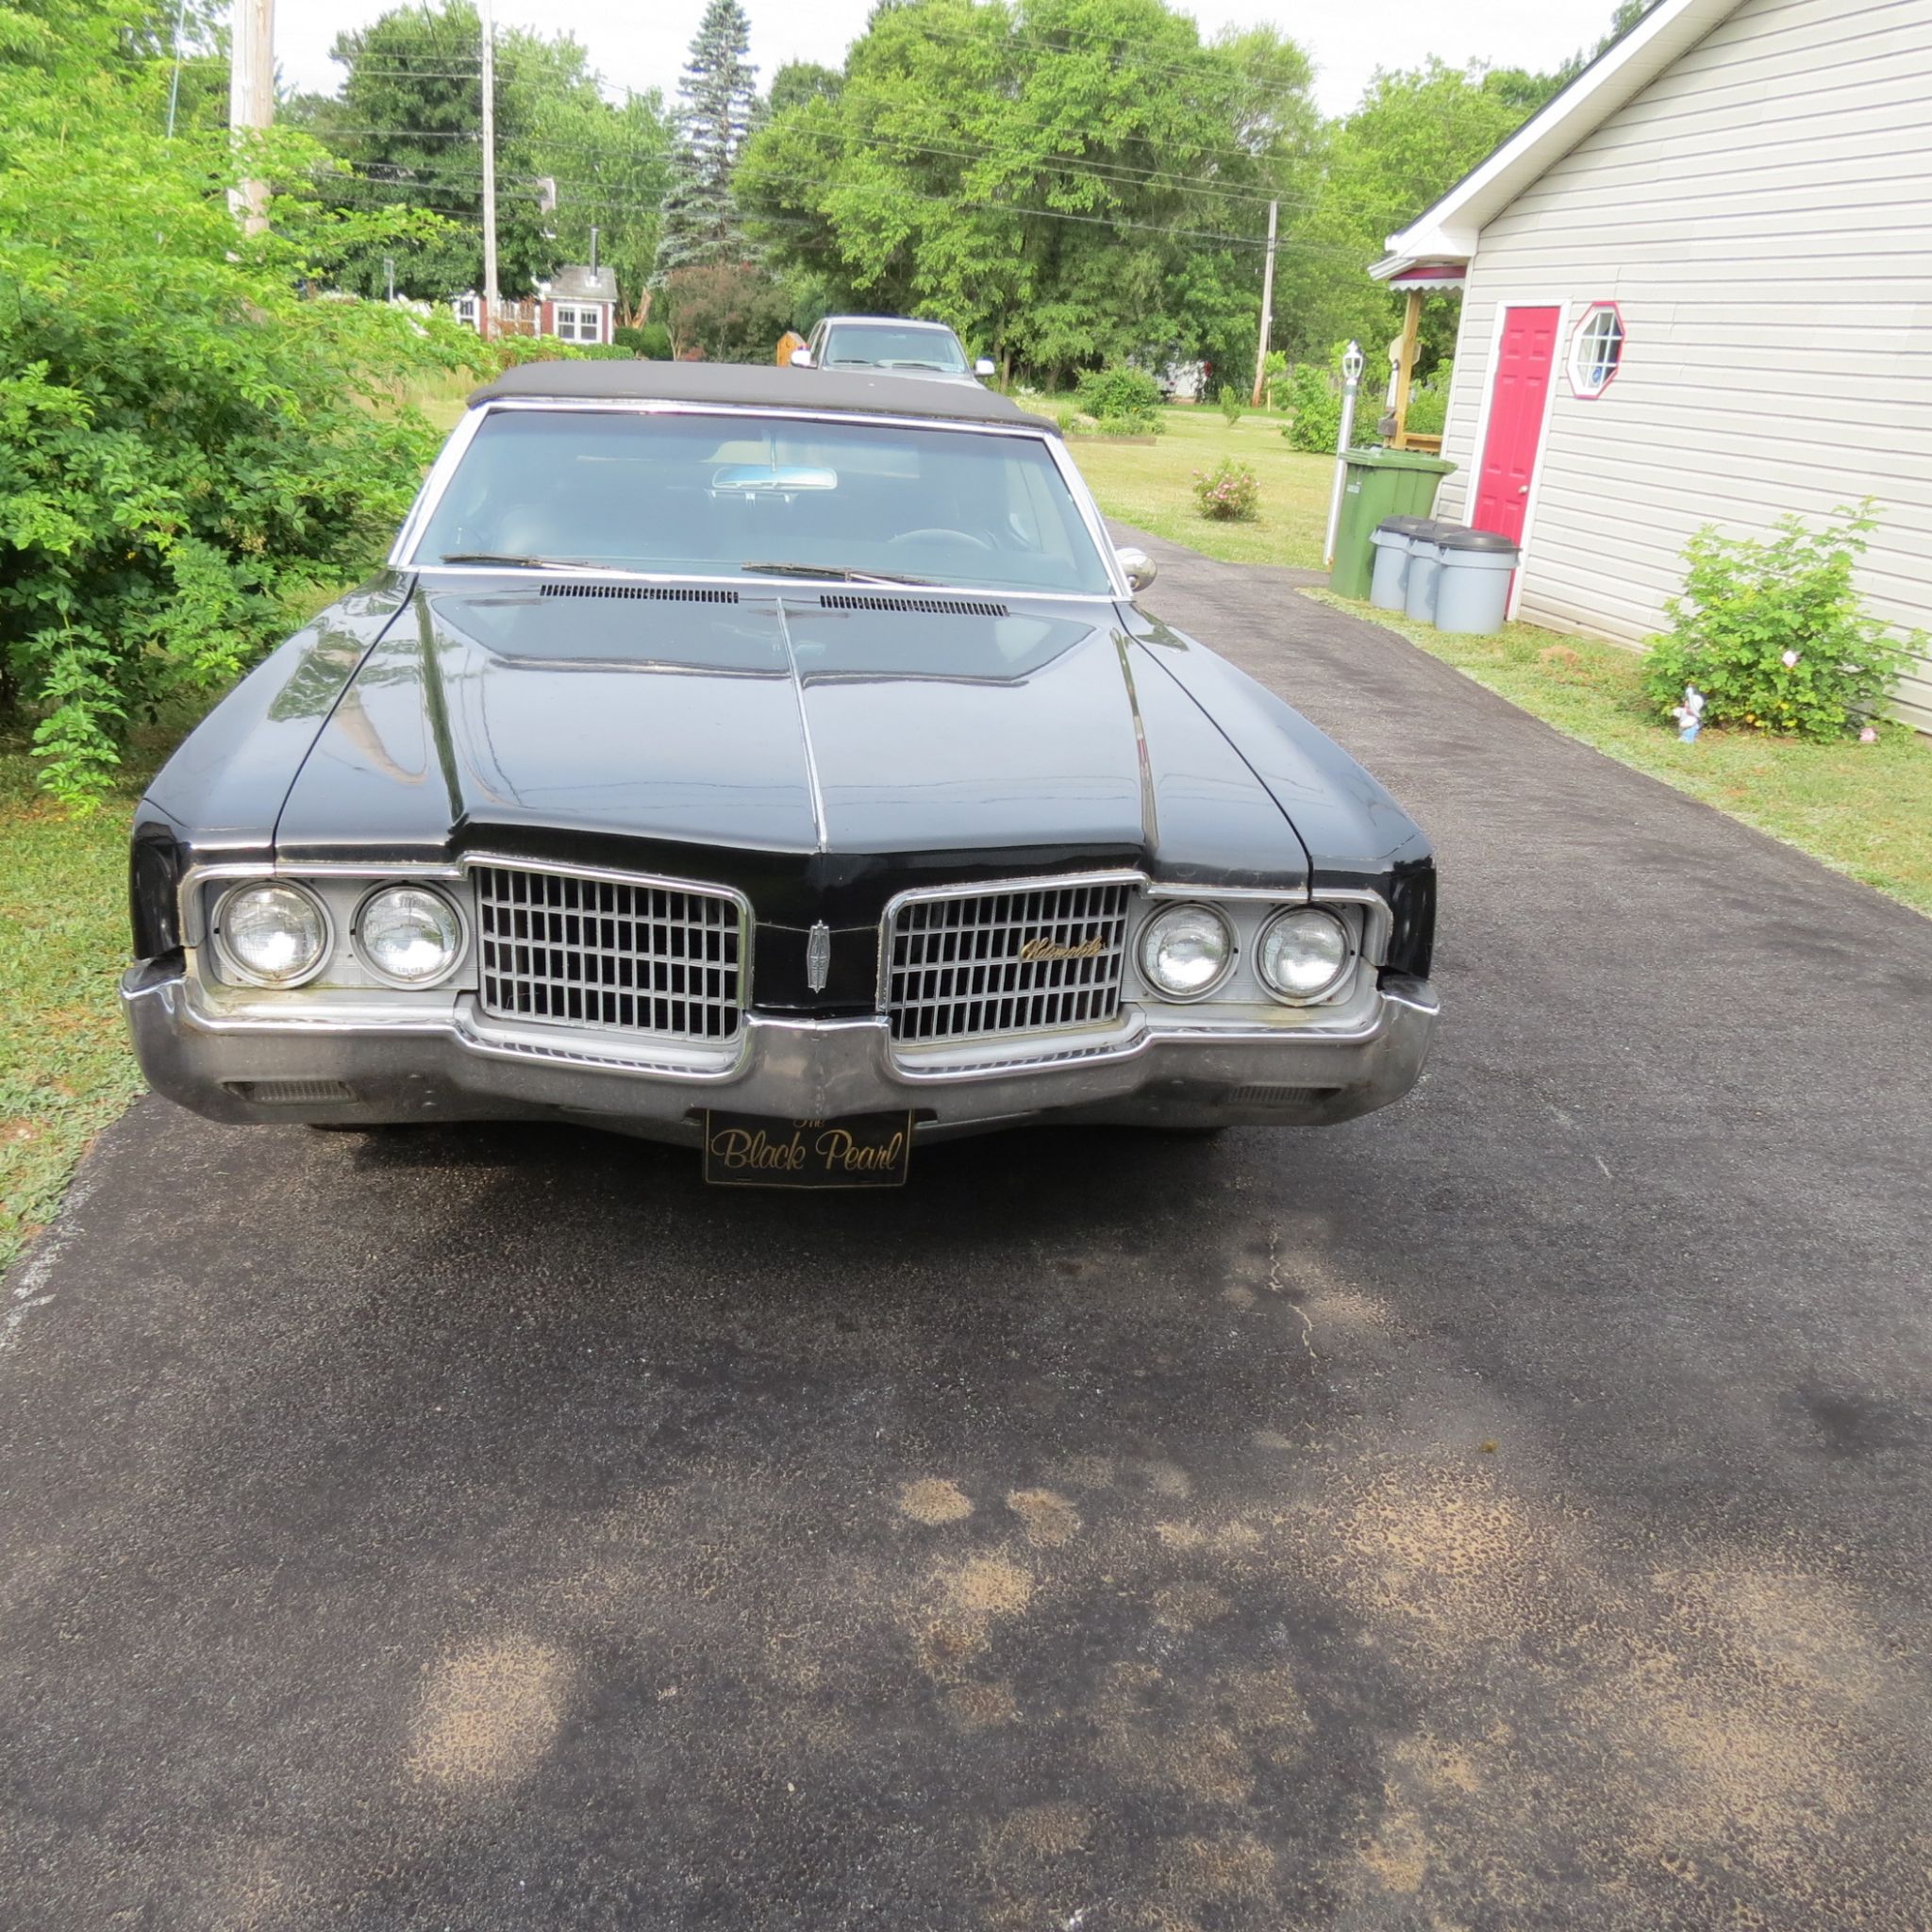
1750,185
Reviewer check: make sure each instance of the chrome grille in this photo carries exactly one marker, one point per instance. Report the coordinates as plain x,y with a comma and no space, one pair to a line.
612,954
958,968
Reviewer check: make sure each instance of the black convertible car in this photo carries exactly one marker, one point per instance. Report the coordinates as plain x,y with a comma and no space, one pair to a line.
776,762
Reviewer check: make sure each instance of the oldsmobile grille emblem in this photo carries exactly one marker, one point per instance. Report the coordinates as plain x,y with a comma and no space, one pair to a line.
818,957
1044,948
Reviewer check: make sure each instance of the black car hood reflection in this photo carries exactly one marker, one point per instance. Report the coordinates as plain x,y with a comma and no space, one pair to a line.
786,723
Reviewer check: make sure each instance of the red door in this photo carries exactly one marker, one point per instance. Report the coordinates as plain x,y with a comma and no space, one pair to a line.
1524,361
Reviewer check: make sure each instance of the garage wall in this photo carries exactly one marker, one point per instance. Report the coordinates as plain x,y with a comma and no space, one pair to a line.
1760,214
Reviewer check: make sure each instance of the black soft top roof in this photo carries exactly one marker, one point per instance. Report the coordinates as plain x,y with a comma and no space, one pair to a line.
758,386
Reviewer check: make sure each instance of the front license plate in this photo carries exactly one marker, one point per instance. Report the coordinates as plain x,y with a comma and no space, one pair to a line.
863,1150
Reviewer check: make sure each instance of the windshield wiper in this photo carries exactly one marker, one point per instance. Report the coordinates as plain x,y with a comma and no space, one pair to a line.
505,560
830,574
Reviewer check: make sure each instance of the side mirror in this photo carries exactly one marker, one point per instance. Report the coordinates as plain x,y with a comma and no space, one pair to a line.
984,368
801,358
1137,565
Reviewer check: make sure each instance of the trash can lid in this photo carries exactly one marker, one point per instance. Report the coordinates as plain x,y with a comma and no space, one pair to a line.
1450,537
1381,458
1408,527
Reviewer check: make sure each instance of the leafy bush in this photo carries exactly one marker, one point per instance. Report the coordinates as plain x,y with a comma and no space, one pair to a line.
1428,403
1228,493
725,311
1317,405
648,339
512,352
1230,404
189,449
1121,395
1773,633
1071,422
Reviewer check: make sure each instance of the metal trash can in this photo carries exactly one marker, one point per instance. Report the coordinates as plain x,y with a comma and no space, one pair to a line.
1378,483
1472,591
1394,539
1424,567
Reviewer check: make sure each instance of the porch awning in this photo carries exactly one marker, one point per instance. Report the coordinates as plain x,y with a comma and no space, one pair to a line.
1429,276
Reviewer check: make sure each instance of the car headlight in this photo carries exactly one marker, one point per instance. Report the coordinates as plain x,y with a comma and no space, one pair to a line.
408,934
272,935
1304,953
1186,952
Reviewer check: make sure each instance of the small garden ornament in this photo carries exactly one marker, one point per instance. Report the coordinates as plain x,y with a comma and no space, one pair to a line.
1689,715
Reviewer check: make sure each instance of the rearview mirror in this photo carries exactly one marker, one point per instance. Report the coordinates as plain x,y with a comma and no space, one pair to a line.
1138,567
801,358
983,367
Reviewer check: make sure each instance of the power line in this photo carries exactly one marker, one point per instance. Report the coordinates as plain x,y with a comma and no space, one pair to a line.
1107,174
1006,207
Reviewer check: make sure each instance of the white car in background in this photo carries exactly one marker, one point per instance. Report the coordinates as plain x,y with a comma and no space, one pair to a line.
894,345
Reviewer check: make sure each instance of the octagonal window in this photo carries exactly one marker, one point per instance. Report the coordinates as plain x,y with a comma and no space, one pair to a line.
1596,350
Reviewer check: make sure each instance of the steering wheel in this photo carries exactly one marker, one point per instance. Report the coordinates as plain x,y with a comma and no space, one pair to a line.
968,536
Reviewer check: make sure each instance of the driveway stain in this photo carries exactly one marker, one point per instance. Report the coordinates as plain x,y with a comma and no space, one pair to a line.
488,1714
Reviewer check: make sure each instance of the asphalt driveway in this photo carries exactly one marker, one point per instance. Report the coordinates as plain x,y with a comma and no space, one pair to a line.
1507,1512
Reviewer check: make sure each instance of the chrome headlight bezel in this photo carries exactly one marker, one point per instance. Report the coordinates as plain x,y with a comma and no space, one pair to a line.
366,958
1329,916
236,970
1143,946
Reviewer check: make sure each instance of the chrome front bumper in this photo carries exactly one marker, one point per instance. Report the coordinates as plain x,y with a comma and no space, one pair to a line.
373,1069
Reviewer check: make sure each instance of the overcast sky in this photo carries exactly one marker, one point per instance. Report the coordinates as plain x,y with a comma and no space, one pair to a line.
644,46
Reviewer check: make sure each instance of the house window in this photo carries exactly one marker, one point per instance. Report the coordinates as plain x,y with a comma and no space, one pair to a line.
1596,350
575,324
465,307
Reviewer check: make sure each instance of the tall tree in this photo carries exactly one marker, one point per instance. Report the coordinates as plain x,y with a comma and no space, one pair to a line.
408,125
1064,180
718,95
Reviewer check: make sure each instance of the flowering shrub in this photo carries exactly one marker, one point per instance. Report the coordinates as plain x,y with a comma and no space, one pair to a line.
1227,492
1773,635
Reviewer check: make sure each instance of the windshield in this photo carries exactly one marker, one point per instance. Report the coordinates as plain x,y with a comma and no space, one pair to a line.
883,345
716,495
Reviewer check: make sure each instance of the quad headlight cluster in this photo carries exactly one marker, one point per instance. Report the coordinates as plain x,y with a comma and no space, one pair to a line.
274,933
1301,954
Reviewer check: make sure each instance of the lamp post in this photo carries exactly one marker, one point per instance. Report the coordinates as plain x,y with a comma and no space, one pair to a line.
1351,383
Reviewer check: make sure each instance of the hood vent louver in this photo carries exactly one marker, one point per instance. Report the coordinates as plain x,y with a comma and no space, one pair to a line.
667,593
950,606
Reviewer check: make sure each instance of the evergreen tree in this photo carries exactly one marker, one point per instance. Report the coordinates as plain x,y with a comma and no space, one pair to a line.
717,95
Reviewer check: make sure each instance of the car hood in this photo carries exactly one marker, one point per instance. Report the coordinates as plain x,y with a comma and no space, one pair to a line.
806,723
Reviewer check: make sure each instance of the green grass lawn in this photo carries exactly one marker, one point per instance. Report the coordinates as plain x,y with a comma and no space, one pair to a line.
1148,485
65,1068
1864,809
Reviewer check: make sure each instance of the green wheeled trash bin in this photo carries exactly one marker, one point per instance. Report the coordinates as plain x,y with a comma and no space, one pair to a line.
1378,483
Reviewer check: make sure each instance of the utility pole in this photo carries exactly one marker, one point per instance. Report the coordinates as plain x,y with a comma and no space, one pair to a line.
489,172
252,98
1267,310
